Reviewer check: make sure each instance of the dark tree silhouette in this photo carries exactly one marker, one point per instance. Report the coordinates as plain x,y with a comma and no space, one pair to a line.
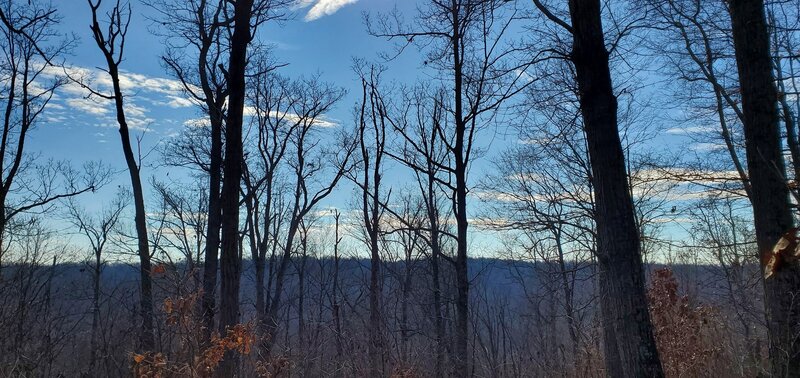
770,193
111,43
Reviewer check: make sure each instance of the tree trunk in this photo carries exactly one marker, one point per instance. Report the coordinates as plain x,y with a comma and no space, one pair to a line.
433,219
271,313
146,338
337,323
619,248
95,314
771,208
404,316
460,202
567,284
211,263
301,301
230,260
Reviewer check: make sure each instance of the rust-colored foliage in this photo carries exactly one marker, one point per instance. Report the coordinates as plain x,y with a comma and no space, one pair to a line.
784,252
158,269
683,330
180,313
180,310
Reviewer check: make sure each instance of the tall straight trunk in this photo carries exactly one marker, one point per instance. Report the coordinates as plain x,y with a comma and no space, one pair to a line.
270,320
214,98
95,314
375,332
461,363
337,323
618,246
404,318
211,257
771,207
370,201
433,219
301,296
566,283
230,259
146,338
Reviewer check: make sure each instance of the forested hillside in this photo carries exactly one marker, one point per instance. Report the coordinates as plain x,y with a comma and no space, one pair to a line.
426,188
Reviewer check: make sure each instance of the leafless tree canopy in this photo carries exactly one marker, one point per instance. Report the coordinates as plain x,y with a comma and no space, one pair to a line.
577,188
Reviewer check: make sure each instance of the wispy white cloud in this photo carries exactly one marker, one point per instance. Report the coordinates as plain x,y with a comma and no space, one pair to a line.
179,102
690,130
87,105
323,8
141,92
197,122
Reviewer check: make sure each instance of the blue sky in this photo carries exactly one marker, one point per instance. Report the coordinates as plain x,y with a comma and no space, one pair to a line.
310,43
323,37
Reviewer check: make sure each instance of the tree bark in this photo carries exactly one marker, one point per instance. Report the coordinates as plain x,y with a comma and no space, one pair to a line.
337,323
95,339
461,363
211,258
619,248
146,337
147,340
371,215
230,259
771,207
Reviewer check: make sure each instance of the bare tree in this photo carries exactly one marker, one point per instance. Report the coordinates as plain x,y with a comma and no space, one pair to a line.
273,99
630,346
30,48
111,44
230,260
198,34
182,228
98,231
309,162
29,314
467,47
720,228
770,194
335,304
783,21
421,149
372,143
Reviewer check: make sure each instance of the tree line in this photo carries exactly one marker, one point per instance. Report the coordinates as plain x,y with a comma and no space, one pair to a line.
243,270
